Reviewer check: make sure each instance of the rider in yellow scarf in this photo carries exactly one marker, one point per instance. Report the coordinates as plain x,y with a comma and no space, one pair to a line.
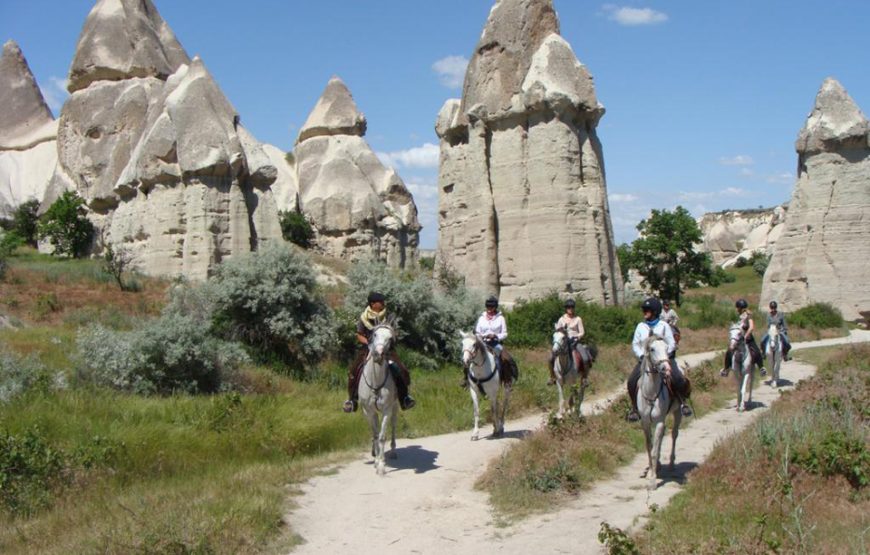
374,315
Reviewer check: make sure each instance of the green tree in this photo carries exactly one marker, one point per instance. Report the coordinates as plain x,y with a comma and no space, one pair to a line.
623,253
296,228
665,253
24,221
66,225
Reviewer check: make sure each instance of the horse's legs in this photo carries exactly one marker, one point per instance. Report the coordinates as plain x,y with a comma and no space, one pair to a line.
646,424
738,377
656,453
675,431
504,406
380,465
475,433
745,390
493,406
393,417
561,395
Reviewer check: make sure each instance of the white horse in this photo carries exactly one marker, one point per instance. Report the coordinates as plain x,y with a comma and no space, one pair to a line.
774,353
742,366
378,394
479,362
654,403
566,372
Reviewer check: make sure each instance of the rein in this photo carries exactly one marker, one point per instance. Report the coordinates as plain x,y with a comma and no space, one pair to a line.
475,353
371,356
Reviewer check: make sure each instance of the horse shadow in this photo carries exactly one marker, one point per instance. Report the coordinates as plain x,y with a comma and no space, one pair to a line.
752,405
414,457
784,383
513,434
679,474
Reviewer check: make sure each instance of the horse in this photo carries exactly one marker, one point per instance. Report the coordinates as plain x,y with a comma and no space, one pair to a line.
479,363
654,403
566,372
774,353
742,366
378,394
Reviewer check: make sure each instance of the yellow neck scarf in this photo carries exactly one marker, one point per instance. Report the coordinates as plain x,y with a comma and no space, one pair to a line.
370,318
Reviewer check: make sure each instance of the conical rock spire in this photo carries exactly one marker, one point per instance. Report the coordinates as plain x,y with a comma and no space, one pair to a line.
334,114
25,118
835,120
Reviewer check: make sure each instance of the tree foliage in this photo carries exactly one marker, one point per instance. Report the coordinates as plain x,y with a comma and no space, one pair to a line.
665,254
24,221
296,229
66,225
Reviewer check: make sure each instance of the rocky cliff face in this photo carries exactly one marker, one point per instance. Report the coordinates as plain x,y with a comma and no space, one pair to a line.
732,234
359,208
28,132
151,143
523,200
823,251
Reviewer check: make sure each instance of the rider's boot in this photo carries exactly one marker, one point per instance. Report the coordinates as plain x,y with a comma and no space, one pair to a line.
464,383
350,405
727,368
408,403
633,415
685,409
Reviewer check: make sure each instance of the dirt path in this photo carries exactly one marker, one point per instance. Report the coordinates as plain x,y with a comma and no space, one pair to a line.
427,504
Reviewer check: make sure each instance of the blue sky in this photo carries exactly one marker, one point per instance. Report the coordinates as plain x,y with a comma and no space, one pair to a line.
704,98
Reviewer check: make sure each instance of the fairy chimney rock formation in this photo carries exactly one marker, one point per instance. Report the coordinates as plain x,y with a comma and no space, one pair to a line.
523,199
148,139
359,208
823,252
28,151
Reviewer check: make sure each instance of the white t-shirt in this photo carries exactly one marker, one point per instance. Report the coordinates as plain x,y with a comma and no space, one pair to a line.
495,326
642,332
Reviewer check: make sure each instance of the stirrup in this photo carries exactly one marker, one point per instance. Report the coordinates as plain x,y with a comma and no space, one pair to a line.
349,406
685,410
551,381
763,371
408,403
724,372
633,416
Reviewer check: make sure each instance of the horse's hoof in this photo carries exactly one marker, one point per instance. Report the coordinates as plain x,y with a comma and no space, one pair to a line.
644,473
475,437
392,455
746,405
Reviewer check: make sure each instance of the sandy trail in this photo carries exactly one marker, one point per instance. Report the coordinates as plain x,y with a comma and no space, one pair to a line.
426,503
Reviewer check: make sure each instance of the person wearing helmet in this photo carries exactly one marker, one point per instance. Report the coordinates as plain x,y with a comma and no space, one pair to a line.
652,324
374,315
492,328
669,315
573,326
744,318
777,318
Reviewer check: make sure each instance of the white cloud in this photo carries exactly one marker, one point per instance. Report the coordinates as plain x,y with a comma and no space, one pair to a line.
634,16
451,71
622,197
733,192
55,94
425,193
784,178
739,160
425,156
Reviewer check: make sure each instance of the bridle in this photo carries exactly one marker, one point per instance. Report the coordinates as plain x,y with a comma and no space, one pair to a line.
377,359
649,367
475,352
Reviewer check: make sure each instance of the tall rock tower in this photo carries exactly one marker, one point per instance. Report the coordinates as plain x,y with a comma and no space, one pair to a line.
523,199
823,252
360,208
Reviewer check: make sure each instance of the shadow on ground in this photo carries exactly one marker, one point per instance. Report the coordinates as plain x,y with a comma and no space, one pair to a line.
414,457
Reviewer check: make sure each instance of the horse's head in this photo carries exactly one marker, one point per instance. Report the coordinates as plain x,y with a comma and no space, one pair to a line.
560,341
656,349
471,346
735,335
772,331
380,341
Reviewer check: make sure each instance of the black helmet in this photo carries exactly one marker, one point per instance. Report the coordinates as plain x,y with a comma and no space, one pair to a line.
653,305
569,303
741,303
773,304
666,302
375,297
491,302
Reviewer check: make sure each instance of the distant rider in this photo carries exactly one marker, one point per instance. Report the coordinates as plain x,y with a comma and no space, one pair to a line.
491,327
669,315
744,318
777,318
652,324
573,326
374,315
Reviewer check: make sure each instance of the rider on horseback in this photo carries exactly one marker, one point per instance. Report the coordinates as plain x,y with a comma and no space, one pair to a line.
748,325
374,315
492,329
652,324
669,315
573,325
776,318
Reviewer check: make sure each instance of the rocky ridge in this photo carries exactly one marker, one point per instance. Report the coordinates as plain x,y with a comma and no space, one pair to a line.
822,253
732,234
28,132
523,199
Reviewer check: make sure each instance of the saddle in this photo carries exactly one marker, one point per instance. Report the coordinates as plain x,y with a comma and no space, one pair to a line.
509,370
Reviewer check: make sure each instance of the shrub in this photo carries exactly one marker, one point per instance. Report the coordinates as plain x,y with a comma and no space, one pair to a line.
173,353
29,470
8,243
19,375
117,261
296,228
718,276
66,225
816,316
24,221
269,300
740,262
704,312
429,317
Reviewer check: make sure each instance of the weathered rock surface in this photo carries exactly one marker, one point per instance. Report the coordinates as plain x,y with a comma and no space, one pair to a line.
823,251
359,208
28,151
148,139
123,39
732,234
523,199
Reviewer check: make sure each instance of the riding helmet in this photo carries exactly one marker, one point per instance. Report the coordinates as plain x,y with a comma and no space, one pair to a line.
741,303
653,305
375,297
773,304
569,303
491,302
